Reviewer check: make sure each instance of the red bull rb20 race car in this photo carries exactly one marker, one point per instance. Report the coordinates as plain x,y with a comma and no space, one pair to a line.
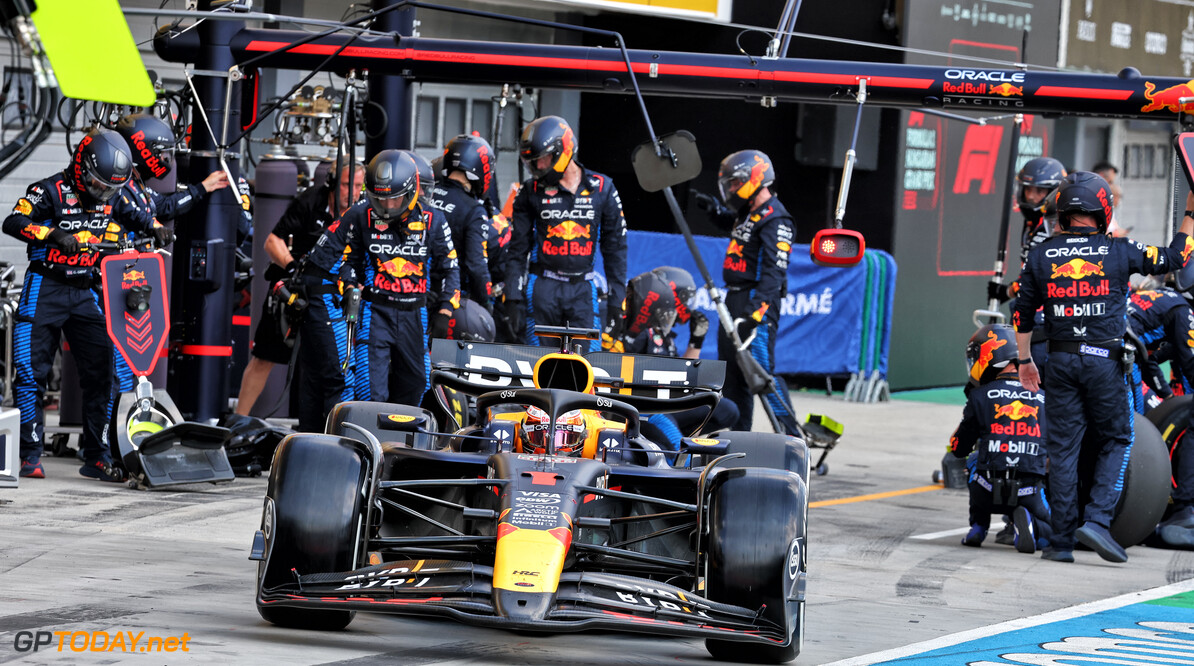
551,513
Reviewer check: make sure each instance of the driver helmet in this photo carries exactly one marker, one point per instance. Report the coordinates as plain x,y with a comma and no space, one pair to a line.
549,136
650,303
101,164
741,176
151,142
1084,192
1043,172
989,351
392,185
569,436
683,286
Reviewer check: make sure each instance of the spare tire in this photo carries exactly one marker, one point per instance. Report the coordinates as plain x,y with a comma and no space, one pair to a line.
1146,487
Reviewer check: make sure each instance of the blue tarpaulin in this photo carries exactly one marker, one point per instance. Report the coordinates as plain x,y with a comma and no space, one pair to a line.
822,329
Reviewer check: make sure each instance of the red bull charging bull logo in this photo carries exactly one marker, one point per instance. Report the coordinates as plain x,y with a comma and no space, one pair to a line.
1016,411
1187,250
1168,99
399,267
986,354
1076,269
568,230
1007,90
86,237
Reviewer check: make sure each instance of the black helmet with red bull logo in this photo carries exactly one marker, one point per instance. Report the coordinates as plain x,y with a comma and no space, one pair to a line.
1043,172
151,141
392,184
1084,192
989,351
426,174
101,164
683,286
650,303
742,175
552,137
473,156
471,322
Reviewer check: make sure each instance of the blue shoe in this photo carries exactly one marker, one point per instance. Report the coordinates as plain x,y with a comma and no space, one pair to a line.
1100,541
1025,532
31,469
1057,555
103,470
974,538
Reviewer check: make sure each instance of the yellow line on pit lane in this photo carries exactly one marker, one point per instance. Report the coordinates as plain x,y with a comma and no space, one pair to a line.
875,496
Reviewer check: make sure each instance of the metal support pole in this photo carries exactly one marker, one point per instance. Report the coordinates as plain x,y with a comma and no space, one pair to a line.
205,249
391,92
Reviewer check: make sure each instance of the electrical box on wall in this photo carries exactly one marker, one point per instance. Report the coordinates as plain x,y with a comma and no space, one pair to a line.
823,135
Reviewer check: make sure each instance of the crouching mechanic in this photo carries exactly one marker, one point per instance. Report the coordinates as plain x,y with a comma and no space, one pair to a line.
1002,424
755,272
57,218
655,302
393,247
560,217
1081,278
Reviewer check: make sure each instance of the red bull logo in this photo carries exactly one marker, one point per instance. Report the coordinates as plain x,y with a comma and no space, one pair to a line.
735,248
1187,250
757,171
1007,90
133,275
568,230
1168,99
86,237
1016,411
399,267
1076,269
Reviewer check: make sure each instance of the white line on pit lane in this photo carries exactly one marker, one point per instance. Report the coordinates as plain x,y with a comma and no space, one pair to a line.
939,535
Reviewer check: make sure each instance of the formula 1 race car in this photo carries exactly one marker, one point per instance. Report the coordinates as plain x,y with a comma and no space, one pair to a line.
549,514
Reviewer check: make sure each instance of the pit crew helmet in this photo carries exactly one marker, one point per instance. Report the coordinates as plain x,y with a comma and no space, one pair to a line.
426,174
472,155
472,322
570,432
151,143
741,176
989,351
683,286
1043,172
1084,192
101,164
650,303
392,185
549,136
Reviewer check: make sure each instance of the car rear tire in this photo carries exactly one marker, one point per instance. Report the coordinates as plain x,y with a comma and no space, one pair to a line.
768,449
754,516
312,520
365,414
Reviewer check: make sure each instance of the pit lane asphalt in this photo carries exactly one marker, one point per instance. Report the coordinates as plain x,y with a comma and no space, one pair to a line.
77,554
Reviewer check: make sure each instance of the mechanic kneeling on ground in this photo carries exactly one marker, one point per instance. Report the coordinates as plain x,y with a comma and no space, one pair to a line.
1002,424
292,238
1163,321
57,218
655,301
560,217
1081,278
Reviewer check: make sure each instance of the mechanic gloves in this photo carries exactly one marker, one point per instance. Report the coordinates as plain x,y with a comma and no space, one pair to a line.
65,241
163,236
746,326
516,314
698,327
